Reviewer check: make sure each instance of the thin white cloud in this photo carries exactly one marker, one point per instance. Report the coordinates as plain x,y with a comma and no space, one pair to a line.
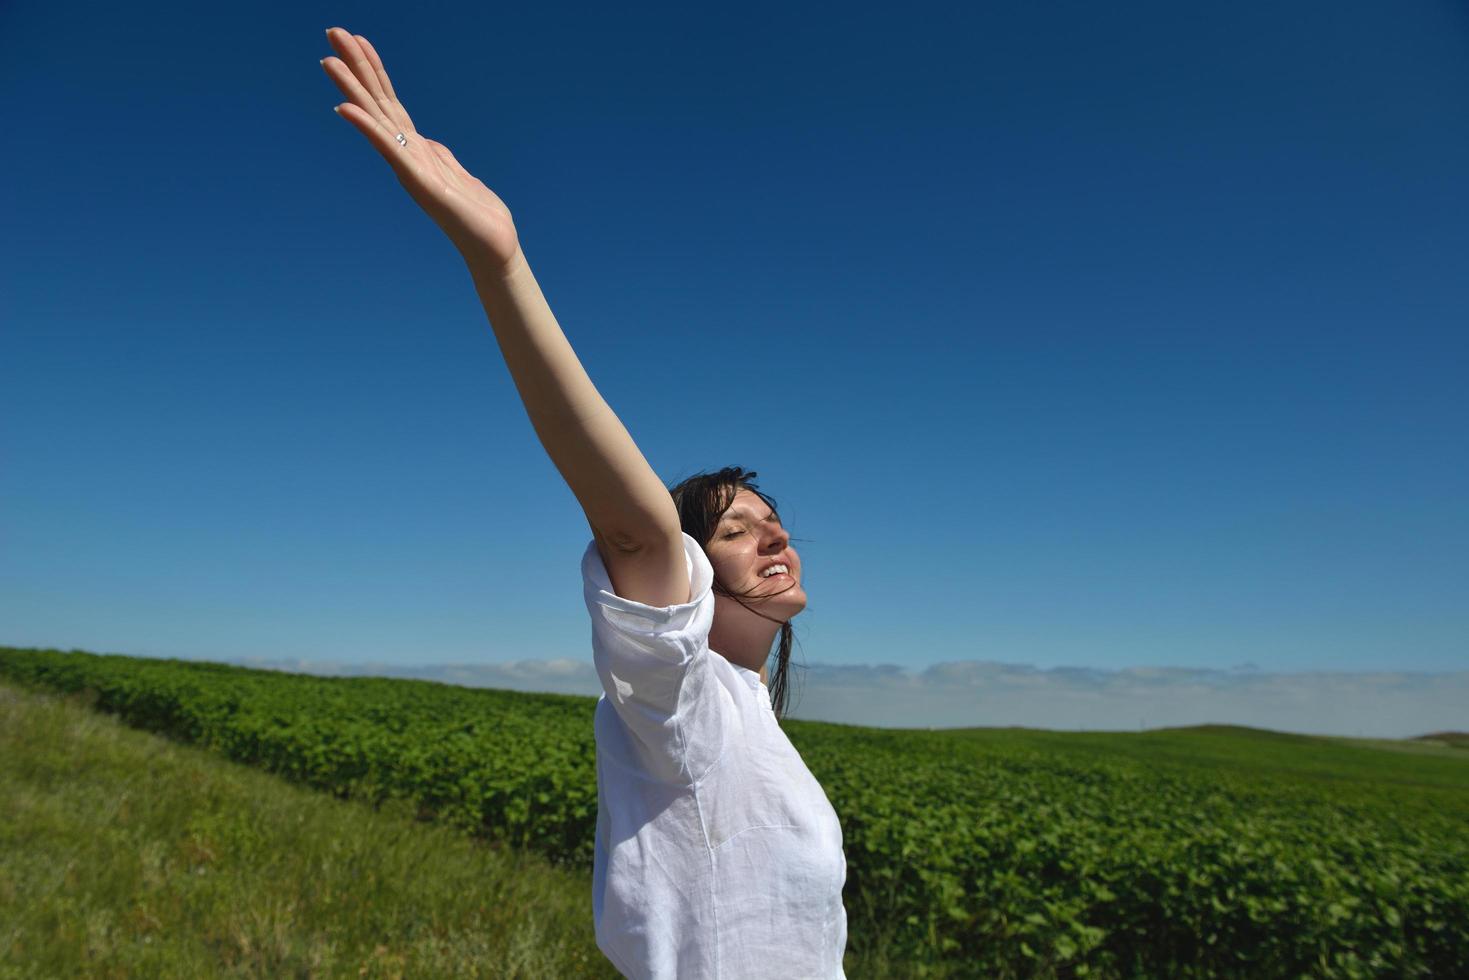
1388,704
988,693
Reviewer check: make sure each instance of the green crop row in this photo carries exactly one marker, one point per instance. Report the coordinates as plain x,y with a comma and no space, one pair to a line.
985,856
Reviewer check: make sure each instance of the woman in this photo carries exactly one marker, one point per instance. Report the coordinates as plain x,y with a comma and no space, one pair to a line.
717,852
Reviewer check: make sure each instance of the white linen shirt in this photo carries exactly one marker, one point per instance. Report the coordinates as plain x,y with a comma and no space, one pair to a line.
717,852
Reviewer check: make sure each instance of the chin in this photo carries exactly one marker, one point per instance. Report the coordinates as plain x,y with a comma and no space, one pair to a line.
794,607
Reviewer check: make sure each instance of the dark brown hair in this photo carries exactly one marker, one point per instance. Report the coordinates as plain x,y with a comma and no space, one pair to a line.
701,501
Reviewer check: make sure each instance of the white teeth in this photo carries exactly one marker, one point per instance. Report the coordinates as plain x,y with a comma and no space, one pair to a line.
773,569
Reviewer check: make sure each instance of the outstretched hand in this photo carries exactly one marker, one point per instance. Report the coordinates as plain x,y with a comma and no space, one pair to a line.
472,215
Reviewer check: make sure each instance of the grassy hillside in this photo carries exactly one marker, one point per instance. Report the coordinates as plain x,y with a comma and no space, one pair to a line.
125,855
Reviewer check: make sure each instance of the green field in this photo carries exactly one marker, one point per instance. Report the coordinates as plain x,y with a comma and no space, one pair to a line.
123,854
1212,851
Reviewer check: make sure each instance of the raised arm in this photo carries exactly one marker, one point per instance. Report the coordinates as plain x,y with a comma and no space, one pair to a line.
630,512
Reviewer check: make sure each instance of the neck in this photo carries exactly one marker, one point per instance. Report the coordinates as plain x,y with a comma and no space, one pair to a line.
743,639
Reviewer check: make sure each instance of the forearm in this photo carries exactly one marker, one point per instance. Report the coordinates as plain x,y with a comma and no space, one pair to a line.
619,492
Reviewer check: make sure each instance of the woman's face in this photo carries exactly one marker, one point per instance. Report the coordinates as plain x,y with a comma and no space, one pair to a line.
748,541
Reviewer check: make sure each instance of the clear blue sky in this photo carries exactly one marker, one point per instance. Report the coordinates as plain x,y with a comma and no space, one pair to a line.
1063,333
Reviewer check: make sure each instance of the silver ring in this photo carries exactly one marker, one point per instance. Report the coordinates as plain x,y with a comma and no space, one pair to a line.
402,140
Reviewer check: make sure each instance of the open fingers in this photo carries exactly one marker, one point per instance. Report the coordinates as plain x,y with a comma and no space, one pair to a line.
353,89
382,77
370,53
360,81
355,58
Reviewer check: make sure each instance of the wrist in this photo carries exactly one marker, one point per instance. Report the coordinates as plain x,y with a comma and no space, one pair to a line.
487,267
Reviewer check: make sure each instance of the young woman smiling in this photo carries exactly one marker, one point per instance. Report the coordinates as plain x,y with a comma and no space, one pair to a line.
717,852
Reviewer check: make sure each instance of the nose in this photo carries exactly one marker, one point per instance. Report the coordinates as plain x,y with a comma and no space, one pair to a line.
776,539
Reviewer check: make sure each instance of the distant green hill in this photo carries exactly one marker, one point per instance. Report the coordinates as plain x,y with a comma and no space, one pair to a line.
1207,851
1459,740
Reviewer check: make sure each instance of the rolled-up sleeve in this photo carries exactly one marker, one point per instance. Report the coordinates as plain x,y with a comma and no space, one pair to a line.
644,654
